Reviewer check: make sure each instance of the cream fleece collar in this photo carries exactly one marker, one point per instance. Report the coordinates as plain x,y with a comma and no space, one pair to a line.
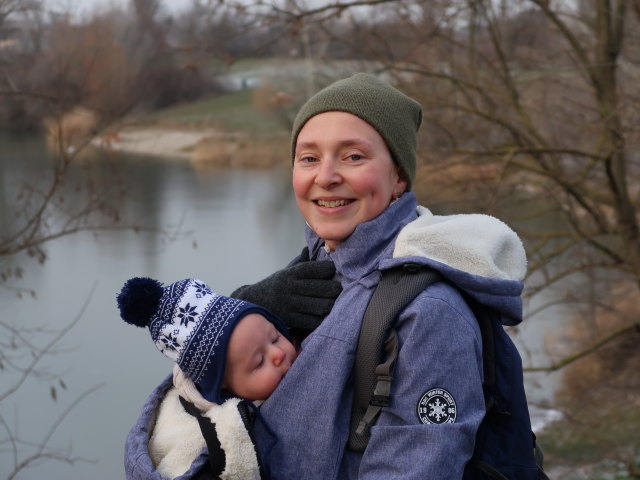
478,244
177,440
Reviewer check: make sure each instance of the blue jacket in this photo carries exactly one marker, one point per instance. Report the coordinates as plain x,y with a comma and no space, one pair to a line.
440,350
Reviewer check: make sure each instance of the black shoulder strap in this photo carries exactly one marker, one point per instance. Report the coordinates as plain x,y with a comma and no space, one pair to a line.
487,326
397,288
217,458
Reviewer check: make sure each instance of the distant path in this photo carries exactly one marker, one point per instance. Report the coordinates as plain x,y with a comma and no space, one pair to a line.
154,141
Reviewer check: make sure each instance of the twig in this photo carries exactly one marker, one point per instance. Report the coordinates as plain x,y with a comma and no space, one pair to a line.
592,348
48,347
43,445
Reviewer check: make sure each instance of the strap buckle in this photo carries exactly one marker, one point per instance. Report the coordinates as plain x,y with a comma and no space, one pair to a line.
382,393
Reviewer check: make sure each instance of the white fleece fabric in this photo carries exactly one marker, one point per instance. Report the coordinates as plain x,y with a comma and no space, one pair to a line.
177,440
241,462
475,243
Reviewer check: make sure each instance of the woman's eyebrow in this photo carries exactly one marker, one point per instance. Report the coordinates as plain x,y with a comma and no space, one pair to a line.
305,145
342,143
354,143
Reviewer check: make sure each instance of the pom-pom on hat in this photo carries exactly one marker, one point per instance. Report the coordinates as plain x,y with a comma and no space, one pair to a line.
394,115
190,324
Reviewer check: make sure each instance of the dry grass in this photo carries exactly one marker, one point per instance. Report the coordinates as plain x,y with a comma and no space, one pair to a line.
613,368
241,150
452,182
71,130
600,393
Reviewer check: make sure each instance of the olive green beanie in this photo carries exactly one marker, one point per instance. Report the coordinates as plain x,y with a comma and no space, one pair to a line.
394,115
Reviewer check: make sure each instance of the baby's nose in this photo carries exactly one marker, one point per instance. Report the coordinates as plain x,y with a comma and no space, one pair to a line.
277,356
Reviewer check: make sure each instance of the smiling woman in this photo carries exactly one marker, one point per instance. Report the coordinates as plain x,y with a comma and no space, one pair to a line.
354,161
343,175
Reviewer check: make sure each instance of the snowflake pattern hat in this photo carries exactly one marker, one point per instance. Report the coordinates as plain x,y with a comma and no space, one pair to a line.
190,324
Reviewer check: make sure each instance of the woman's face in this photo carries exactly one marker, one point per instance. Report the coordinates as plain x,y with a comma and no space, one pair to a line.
343,175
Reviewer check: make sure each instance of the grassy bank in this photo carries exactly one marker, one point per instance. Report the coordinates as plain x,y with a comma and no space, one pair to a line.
239,112
243,128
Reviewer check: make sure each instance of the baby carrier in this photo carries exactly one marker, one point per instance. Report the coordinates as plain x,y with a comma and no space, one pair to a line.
505,447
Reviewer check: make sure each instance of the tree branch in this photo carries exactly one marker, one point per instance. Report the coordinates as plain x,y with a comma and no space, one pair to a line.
633,326
37,356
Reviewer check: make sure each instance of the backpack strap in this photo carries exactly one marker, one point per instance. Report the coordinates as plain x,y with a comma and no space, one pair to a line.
397,288
375,360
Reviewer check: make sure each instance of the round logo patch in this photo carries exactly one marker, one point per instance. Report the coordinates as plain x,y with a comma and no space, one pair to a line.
437,406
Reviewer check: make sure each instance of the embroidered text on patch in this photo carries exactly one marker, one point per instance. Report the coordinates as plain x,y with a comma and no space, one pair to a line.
437,406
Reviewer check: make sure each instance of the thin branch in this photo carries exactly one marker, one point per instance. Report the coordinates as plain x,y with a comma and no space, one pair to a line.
550,280
41,453
583,353
331,8
11,438
38,356
580,52
549,256
521,150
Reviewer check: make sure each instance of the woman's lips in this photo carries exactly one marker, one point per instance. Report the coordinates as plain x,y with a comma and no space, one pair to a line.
332,203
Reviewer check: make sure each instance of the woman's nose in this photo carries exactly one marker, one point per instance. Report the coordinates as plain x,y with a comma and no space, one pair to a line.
328,174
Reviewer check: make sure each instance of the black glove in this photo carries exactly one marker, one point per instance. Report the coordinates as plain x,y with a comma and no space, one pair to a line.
301,294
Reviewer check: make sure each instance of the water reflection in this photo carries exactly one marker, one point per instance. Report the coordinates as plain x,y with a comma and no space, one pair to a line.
228,227
233,227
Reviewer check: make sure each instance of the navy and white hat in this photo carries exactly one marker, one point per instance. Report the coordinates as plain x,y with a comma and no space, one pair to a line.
190,324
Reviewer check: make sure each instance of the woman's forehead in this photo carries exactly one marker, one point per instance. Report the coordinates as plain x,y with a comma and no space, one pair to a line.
336,126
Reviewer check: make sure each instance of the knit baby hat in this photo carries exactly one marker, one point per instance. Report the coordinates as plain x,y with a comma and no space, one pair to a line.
190,324
394,115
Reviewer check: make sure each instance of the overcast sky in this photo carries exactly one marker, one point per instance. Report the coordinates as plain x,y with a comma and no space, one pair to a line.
81,7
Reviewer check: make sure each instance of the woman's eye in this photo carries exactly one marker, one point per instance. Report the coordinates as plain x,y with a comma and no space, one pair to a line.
308,159
275,340
355,157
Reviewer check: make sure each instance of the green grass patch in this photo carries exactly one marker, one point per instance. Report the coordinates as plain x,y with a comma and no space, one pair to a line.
230,112
248,64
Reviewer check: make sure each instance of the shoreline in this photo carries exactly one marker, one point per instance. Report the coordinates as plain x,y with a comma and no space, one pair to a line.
203,147
156,141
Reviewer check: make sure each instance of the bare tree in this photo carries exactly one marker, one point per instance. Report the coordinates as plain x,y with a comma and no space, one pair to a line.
16,7
533,90
536,101
80,83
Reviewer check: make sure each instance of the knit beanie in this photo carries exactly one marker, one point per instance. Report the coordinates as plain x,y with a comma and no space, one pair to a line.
190,324
394,115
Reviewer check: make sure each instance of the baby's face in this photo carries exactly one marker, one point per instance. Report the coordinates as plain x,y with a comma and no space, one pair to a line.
258,356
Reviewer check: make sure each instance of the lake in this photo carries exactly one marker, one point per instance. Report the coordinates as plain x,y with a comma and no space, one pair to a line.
227,227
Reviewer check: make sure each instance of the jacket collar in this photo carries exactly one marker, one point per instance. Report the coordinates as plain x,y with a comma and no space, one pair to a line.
361,252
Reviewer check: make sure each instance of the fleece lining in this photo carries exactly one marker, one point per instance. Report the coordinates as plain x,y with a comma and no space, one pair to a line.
478,244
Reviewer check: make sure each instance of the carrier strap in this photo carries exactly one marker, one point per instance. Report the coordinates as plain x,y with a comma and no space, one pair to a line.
217,458
397,288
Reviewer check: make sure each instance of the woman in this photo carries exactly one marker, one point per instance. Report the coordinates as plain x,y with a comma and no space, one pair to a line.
354,161
353,149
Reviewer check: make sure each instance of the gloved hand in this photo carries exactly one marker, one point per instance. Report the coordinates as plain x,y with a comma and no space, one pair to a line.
301,294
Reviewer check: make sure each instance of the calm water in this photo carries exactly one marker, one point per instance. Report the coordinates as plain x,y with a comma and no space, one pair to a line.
232,227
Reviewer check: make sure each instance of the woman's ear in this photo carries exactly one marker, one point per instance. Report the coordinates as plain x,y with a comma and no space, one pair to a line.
401,184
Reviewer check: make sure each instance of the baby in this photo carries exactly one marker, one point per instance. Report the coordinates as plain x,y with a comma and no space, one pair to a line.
226,351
